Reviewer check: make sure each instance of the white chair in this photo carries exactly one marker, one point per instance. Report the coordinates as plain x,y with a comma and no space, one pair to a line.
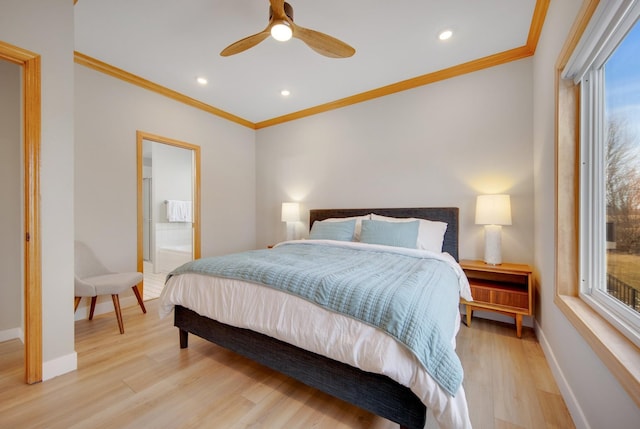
93,279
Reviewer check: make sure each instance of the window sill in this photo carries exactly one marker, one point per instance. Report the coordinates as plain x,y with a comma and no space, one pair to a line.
617,352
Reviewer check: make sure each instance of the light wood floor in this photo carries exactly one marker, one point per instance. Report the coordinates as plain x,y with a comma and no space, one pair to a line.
143,380
153,282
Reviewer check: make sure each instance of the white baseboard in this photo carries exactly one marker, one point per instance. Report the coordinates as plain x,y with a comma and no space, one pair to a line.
106,306
62,365
579,419
12,334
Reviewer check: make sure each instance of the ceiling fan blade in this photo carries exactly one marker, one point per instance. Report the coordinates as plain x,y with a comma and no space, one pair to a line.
246,43
323,43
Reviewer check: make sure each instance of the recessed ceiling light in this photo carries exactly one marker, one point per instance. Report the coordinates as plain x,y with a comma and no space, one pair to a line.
285,93
446,34
202,80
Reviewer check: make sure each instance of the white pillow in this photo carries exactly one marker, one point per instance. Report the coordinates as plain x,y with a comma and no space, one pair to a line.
430,232
357,230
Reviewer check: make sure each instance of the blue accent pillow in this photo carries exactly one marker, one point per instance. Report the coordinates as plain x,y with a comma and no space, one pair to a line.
399,234
341,231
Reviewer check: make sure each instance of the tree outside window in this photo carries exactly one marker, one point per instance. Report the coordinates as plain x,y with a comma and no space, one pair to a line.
622,170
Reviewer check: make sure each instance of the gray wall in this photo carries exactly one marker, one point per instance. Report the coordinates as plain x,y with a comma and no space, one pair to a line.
108,114
594,396
11,197
437,145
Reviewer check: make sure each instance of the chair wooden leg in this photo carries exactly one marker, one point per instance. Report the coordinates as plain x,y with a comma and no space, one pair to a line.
76,302
93,306
137,292
116,306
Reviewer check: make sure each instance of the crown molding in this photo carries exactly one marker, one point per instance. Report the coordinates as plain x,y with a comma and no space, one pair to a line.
469,67
103,67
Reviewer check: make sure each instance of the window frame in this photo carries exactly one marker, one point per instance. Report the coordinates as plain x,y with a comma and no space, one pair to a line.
617,352
605,31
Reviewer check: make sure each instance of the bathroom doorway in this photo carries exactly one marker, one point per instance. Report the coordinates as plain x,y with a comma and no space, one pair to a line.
168,208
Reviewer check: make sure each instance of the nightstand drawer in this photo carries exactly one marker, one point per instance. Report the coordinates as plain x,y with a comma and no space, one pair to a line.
500,296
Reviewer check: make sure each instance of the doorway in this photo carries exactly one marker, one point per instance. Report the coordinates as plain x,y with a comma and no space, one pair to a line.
168,208
30,237
11,294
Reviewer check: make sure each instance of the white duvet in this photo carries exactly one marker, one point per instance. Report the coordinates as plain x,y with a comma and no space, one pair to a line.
295,321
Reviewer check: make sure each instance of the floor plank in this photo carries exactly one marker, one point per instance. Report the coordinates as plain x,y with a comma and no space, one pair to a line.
143,379
153,282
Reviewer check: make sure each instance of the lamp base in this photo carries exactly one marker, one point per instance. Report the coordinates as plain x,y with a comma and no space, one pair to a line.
493,244
291,231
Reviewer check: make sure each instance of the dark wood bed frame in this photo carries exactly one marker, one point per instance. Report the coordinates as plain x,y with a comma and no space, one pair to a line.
373,392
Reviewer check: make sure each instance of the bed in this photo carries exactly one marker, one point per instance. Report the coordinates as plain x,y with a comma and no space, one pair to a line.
372,386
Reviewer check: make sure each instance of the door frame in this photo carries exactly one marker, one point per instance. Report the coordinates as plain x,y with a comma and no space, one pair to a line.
140,137
31,99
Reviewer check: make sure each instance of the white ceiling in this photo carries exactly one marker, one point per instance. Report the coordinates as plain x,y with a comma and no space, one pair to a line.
171,42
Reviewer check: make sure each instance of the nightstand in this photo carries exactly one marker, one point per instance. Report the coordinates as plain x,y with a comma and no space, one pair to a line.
506,288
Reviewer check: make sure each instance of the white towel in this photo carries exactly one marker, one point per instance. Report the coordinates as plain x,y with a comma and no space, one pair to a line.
179,211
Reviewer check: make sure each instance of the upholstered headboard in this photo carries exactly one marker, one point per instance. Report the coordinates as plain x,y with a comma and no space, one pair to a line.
442,214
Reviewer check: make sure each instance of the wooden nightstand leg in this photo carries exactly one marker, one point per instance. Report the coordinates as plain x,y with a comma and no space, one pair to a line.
469,315
519,325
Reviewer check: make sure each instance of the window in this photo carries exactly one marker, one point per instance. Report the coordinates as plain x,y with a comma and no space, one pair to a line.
607,67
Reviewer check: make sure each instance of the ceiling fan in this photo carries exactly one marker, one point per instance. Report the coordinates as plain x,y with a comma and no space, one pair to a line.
282,28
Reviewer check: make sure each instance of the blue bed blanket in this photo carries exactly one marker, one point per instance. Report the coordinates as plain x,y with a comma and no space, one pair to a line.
412,297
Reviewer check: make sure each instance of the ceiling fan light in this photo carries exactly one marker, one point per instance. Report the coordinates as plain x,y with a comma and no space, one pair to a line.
281,31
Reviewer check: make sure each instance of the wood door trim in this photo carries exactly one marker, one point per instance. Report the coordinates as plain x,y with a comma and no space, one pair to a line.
140,136
31,94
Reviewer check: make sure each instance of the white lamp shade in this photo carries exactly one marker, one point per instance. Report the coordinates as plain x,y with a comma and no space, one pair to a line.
493,210
290,212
